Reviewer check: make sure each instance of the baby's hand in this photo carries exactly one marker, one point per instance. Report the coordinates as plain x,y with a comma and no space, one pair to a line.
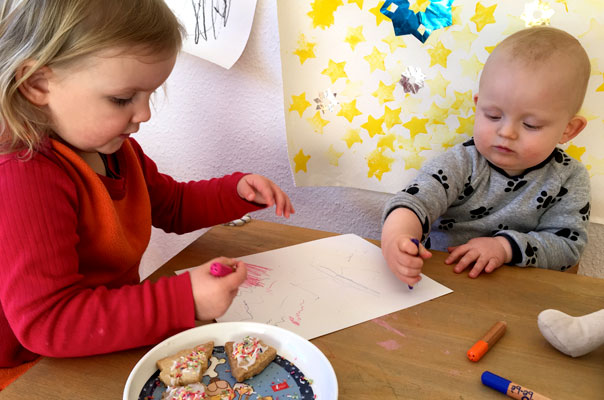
259,189
405,259
213,295
486,253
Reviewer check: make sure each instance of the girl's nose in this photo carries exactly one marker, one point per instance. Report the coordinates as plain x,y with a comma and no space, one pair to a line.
142,112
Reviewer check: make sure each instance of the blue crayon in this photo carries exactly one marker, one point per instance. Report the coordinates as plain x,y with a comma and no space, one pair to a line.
509,388
414,240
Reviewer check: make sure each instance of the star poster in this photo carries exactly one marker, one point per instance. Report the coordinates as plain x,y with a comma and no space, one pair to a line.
373,89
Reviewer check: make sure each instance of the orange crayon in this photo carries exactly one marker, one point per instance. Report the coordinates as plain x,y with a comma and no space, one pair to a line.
490,338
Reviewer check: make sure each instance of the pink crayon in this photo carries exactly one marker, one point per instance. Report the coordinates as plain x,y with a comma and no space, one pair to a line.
218,269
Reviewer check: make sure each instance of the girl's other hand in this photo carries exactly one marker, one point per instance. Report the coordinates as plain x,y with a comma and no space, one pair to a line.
213,295
261,190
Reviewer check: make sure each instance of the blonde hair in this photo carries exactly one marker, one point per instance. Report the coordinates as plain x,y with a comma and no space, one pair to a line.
62,32
541,44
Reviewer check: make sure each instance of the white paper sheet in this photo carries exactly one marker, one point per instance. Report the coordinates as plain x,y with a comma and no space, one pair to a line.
322,286
217,30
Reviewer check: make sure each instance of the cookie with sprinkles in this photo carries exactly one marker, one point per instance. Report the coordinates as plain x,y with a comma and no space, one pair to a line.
186,366
194,391
248,357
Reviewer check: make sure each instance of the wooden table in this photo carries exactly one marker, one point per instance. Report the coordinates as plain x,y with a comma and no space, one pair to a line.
432,338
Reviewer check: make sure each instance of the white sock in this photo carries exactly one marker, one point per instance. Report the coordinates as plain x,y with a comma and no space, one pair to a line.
574,336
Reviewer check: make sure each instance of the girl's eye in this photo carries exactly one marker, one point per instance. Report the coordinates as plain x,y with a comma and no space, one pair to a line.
121,102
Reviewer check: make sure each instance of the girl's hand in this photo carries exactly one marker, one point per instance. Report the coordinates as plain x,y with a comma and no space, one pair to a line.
213,295
485,253
259,189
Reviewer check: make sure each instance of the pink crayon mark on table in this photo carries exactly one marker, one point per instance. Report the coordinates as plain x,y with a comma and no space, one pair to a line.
385,325
255,275
298,318
389,344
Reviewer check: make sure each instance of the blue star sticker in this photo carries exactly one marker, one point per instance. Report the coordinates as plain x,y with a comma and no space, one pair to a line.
421,25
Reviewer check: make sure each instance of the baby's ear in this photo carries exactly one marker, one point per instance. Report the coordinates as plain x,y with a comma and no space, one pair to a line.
573,128
35,86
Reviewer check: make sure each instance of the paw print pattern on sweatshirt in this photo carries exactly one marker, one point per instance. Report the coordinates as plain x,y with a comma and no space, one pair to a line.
425,228
442,178
467,189
480,212
546,200
531,254
500,227
446,224
561,157
565,267
411,189
567,233
585,212
515,183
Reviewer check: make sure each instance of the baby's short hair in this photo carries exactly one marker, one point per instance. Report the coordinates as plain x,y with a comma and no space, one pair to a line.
541,44
62,32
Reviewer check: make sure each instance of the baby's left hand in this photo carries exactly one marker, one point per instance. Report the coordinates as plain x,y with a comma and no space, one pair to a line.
486,253
259,189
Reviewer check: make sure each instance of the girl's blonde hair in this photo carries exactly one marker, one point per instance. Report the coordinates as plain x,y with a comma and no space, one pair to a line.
61,32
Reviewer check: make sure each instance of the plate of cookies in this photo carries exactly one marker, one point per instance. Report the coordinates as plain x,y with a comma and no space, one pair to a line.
233,361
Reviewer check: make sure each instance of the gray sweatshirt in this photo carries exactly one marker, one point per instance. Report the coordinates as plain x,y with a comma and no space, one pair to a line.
543,212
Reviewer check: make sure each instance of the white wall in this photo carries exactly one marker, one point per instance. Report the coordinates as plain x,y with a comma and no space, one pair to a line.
216,121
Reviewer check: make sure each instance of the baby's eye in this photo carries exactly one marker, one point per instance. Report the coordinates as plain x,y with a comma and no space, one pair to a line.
493,117
121,101
531,126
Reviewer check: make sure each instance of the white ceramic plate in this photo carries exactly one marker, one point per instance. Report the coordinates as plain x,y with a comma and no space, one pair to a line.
305,355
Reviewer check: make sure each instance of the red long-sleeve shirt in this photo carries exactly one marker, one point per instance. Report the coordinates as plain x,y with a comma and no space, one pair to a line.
70,247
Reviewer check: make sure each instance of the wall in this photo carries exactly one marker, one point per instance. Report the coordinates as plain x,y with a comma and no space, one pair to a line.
215,121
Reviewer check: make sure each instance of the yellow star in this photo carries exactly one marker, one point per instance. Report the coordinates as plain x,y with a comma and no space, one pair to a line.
305,49
439,54
299,103
376,60
594,165
357,2
386,142
395,71
416,126
466,125
463,101
385,92
595,32
393,41
471,67
483,16
490,49
378,164
333,156
355,36
349,110
422,142
379,17
411,103
392,117
595,66
419,6
414,160
443,135
335,70
515,23
373,126
352,137
317,122
438,85
564,2
575,151
589,116
352,89
300,160
600,88
456,15
322,12
437,115
464,38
